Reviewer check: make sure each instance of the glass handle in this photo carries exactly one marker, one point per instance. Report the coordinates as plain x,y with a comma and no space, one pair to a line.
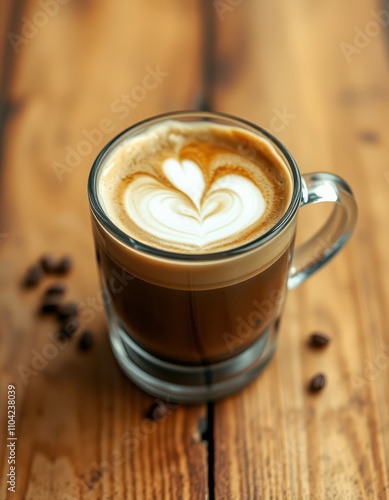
318,250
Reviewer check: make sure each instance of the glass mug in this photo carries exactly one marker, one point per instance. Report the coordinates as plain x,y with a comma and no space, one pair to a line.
194,328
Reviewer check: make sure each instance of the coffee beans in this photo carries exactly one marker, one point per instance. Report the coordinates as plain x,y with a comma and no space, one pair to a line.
318,340
64,265
86,340
52,303
58,289
67,310
48,263
159,410
52,266
70,326
33,276
317,383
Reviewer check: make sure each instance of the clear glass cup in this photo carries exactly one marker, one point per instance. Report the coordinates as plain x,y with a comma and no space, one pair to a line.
204,326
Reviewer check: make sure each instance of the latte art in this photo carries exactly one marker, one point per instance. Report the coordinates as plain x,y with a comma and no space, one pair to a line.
190,188
191,213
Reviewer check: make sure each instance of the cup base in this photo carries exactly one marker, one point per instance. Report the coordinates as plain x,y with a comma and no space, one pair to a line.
190,384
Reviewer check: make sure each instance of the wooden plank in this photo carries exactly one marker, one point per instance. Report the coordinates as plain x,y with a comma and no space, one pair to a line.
274,440
81,425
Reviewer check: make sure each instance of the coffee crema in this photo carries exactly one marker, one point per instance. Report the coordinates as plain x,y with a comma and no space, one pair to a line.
194,187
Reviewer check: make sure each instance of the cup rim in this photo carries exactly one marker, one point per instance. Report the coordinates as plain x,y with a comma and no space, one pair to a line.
116,232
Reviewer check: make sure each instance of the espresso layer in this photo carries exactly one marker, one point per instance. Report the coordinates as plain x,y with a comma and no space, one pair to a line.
194,188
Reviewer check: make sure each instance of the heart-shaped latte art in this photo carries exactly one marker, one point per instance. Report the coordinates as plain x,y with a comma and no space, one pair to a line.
191,215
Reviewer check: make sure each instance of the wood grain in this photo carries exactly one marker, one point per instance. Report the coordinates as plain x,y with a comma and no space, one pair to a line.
274,440
81,425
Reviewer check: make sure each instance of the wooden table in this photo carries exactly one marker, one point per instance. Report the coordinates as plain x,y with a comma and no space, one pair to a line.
306,70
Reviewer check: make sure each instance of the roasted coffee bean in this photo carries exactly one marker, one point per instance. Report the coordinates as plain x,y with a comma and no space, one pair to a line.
86,340
70,326
64,265
33,276
66,310
55,289
317,383
48,263
158,411
318,340
50,304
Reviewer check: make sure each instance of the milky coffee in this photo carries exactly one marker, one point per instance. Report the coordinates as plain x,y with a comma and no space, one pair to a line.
194,188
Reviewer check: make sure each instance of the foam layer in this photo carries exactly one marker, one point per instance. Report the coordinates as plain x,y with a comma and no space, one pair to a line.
189,215
194,188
